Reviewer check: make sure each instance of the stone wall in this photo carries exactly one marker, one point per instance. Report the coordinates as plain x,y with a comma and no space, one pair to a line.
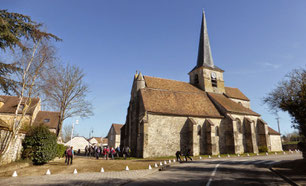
14,150
244,130
168,134
276,144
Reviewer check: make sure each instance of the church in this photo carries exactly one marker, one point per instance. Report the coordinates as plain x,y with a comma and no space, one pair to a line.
202,115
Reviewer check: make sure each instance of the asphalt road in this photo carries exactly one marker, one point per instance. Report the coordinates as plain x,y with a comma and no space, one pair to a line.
211,172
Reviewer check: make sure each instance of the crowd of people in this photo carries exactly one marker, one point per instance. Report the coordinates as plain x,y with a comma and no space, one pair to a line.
110,153
107,152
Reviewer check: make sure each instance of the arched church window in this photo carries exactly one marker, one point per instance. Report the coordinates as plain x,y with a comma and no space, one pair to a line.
196,79
217,131
199,130
213,79
238,124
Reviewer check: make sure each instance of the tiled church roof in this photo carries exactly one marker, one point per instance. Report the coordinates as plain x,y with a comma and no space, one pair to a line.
172,85
178,103
235,93
230,105
166,96
273,132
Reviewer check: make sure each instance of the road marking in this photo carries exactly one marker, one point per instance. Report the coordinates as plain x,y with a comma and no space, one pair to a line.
212,174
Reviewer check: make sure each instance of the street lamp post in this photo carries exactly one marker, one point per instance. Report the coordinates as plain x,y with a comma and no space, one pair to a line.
76,122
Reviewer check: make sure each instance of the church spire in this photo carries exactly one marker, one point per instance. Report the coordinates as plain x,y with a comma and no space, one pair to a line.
204,53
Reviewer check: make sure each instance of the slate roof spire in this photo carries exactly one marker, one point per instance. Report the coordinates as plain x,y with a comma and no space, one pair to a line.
204,53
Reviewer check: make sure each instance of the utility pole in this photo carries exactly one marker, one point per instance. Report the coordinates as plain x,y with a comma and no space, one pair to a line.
277,119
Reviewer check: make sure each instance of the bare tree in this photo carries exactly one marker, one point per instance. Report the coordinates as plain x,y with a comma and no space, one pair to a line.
32,63
66,133
66,92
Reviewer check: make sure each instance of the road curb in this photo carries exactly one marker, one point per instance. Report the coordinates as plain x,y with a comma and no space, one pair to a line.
288,180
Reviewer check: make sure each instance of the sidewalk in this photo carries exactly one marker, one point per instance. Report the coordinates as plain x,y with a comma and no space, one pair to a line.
293,172
105,178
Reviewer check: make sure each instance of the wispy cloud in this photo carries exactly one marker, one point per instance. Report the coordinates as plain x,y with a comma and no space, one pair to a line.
271,65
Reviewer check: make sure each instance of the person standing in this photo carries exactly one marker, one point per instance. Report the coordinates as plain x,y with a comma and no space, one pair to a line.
127,151
178,154
66,155
70,155
118,151
86,149
107,152
124,153
187,155
97,152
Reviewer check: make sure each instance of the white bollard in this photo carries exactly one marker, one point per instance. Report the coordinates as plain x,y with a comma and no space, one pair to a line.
209,156
48,172
267,154
150,167
219,156
228,156
238,155
14,174
248,154
275,153
102,170
127,168
169,161
165,162
200,157
75,171
155,165
257,154
160,164
174,160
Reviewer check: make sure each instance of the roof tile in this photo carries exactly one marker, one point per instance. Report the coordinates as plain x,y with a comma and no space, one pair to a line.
230,105
235,93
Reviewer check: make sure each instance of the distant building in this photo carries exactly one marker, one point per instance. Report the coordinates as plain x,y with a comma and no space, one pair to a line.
114,135
202,115
104,142
95,140
78,142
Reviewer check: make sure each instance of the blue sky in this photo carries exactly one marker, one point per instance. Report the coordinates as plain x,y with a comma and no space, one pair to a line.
255,42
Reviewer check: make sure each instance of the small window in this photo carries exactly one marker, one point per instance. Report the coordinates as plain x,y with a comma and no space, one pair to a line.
21,107
196,79
46,120
213,79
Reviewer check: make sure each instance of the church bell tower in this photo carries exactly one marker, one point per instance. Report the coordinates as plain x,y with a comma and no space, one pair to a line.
205,74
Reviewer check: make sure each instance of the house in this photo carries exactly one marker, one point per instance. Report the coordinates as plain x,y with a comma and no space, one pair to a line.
202,115
104,142
114,135
78,142
33,116
95,140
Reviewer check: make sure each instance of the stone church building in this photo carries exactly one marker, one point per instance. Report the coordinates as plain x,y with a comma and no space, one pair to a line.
202,115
